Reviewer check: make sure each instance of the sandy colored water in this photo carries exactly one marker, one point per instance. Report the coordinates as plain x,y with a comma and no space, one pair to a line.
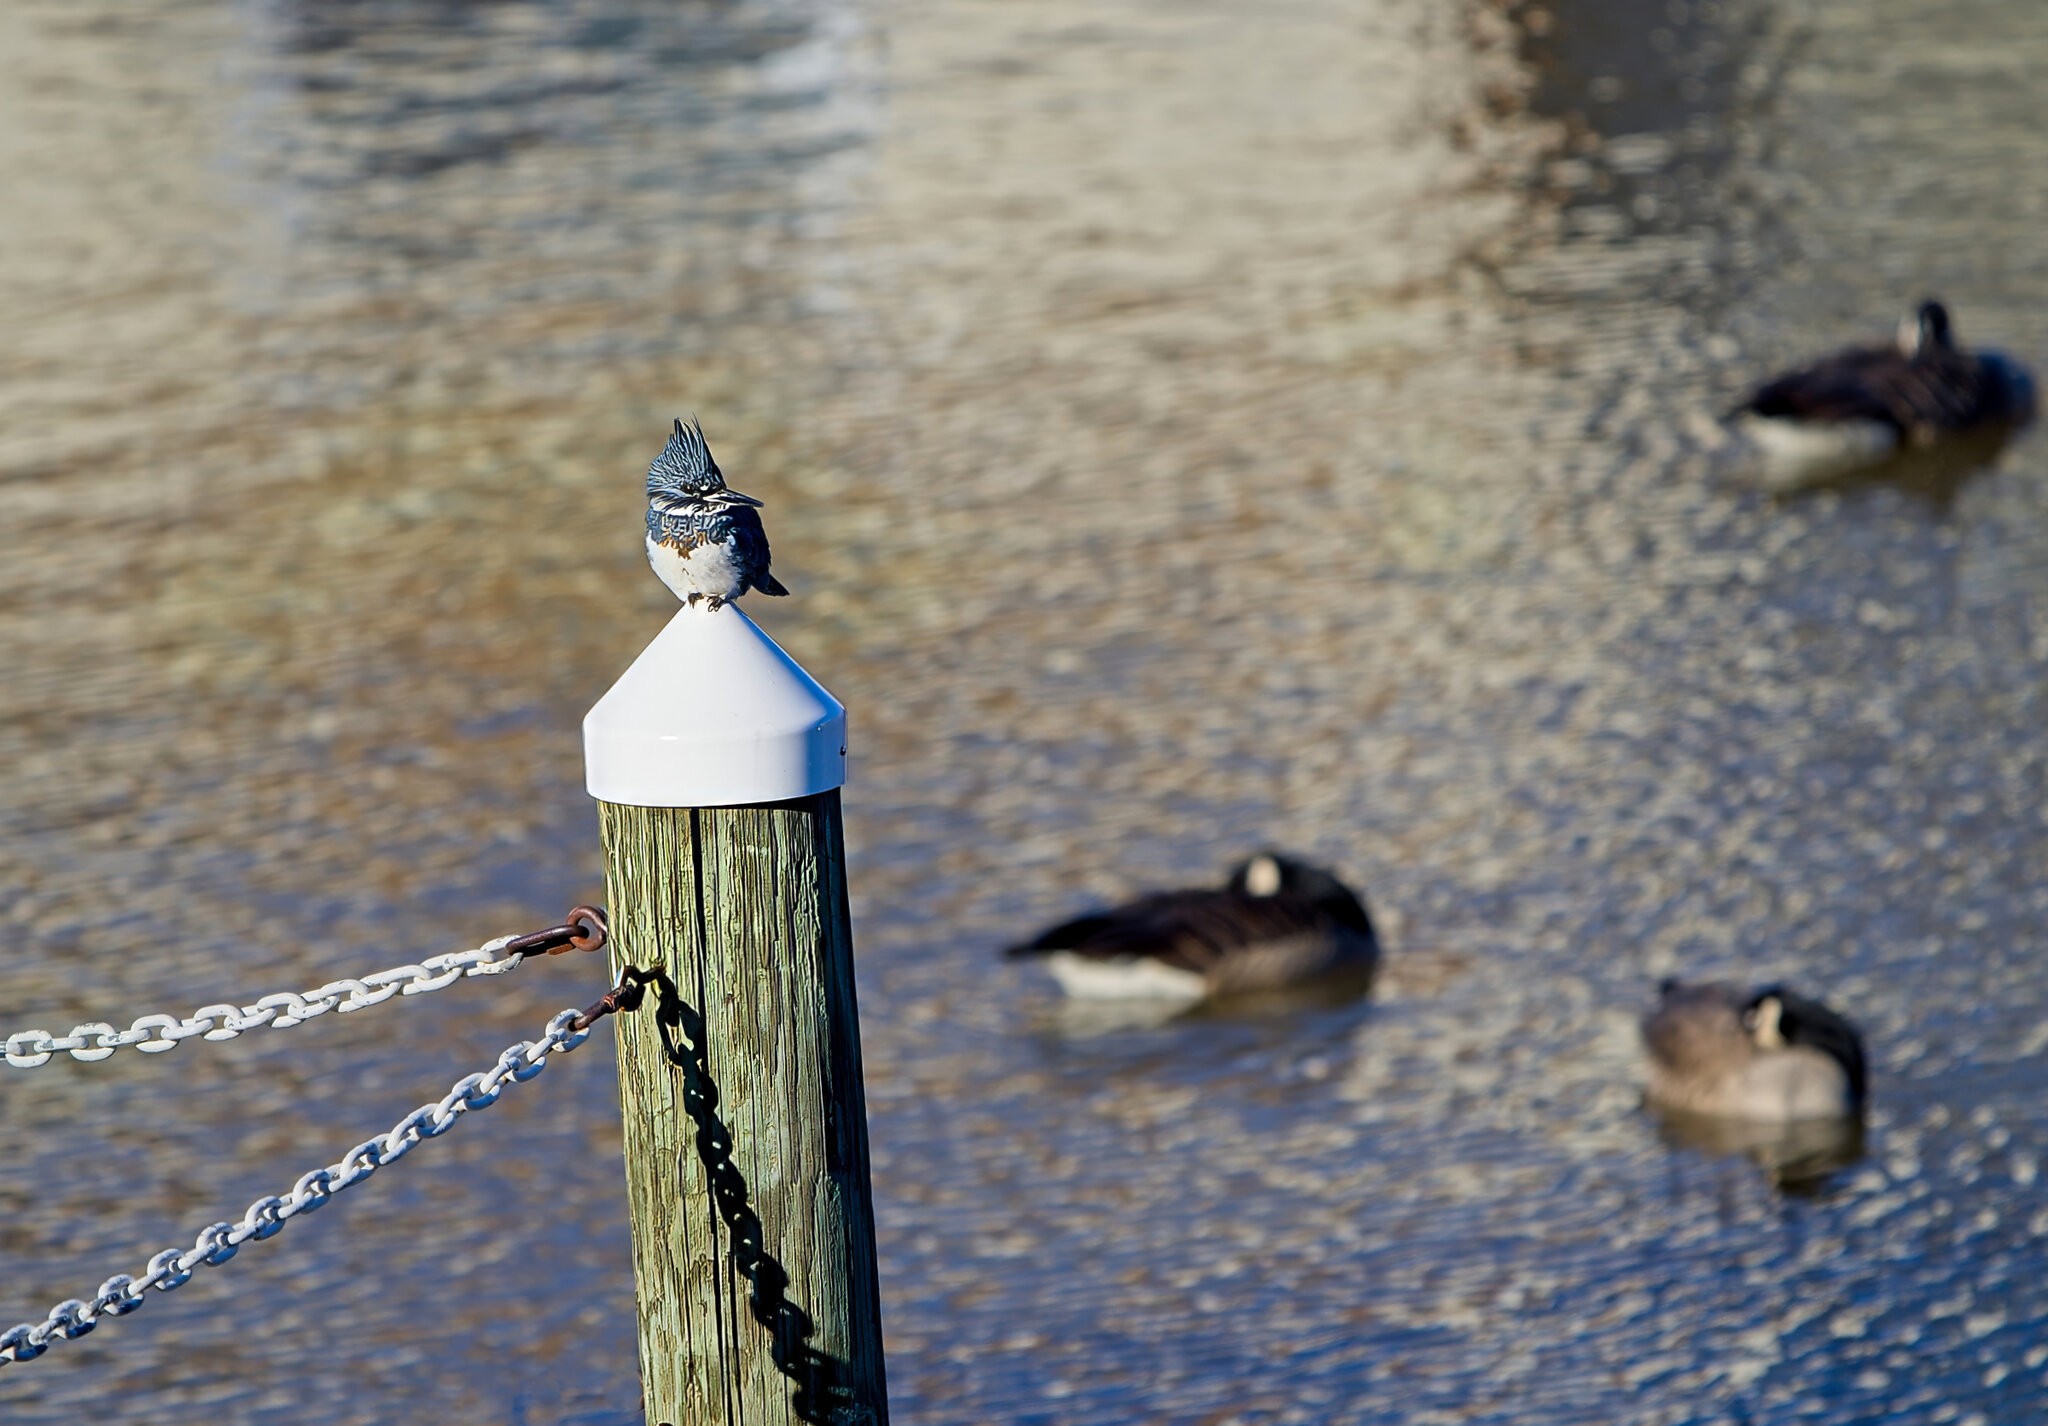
1184,429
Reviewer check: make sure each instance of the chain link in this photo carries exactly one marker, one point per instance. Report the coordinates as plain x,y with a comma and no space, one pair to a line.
121,1294
153,1034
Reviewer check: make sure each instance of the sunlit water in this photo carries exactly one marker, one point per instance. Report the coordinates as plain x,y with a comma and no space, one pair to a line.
1184,428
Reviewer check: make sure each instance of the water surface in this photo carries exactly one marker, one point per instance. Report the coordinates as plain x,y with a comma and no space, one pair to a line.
1184,429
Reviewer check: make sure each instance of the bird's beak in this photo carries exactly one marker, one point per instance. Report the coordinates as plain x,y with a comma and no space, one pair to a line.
733,497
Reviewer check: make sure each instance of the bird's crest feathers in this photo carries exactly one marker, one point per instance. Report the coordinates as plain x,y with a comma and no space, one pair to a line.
685,466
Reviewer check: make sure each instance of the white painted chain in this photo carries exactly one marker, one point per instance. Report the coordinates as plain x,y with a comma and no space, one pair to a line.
122,1294
153,1034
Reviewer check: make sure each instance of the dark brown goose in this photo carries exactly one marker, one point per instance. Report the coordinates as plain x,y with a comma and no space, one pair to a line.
1864,403
1277,923
1767,1056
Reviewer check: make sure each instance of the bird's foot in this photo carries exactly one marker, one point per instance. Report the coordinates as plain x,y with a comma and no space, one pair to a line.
713,603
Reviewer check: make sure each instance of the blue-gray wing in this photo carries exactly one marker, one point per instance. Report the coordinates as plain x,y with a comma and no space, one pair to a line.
751,541
685,464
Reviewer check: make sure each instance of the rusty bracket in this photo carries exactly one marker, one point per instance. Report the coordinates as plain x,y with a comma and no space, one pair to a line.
584,929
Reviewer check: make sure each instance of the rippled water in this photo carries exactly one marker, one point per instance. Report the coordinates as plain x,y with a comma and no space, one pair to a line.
1184,428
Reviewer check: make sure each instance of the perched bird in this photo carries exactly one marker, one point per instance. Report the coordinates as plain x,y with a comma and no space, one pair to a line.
704,541
1276,924
1767,1055
1863,403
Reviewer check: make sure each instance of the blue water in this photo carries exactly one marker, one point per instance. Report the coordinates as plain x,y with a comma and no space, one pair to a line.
1183,429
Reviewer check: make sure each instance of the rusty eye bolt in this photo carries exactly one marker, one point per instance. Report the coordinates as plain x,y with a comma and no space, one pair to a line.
583,929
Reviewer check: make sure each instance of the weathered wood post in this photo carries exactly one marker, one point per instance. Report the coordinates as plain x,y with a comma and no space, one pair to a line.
717,762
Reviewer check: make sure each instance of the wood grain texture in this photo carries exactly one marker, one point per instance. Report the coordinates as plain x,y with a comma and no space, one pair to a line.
745,1120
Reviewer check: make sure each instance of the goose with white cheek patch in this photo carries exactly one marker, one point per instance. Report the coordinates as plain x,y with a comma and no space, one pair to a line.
1766,1056
1278,923
1863,404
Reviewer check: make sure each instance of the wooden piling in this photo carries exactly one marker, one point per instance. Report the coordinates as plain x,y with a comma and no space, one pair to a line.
716,761
746,1125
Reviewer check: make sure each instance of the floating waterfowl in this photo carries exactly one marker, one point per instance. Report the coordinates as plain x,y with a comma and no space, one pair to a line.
1863,404
1767,1056
1278,923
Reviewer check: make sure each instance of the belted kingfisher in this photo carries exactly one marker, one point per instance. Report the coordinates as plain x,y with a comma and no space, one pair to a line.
704,541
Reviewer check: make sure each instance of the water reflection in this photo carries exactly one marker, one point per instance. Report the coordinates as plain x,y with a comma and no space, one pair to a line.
1654,107
1800,1157
440,168
1185,427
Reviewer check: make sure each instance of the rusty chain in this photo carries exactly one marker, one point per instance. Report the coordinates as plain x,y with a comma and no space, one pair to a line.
584,929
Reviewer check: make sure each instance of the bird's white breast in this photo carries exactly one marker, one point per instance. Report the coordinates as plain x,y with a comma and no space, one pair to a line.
710,569
1795,1083
1791,453
1777,1087
1135,978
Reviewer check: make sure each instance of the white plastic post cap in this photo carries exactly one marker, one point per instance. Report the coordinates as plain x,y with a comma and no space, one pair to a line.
713,714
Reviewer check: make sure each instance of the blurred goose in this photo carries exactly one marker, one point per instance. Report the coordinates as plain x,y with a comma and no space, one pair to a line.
1277,923
1768,1056
1863,403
